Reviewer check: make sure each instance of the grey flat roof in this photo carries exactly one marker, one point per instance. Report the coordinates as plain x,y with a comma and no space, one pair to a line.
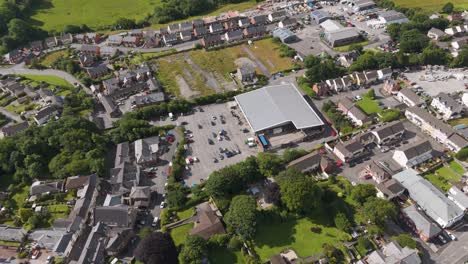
276,105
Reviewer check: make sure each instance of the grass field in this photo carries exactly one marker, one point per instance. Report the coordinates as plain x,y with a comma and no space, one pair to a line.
274,237
55,14
369,106
179,234
225,256
456,167
431,5
50,58
48,79
21,196
443,177
185,214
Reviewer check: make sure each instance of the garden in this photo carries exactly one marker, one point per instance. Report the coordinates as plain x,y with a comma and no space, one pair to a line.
444,177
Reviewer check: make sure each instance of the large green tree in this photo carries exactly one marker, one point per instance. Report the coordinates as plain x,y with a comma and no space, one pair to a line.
362,192
241,217
193,251
157,248
378,210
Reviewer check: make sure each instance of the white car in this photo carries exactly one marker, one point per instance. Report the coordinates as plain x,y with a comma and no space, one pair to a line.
452,236
155,222
162,205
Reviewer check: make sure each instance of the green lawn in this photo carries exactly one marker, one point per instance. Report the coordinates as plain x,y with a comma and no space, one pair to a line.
48,79
58,208
456,167
9,243
50,58
179,234
347,47
55,14
274,237
21,196
459,121
185,214
225,256
431,5
369,106
443,177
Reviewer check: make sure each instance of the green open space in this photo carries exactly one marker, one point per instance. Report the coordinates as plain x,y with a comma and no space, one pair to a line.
443,177
20,196
9,243
369,106
179,234
431,5
268,53
456,167
52,57
54,80
459,121
225,256
348,47
19,108
185,214
298,234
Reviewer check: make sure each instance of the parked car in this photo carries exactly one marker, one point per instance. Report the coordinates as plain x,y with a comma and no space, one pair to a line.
162,205
50,259
442,239
155,222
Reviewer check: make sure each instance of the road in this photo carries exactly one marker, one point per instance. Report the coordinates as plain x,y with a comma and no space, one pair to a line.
179,47
457,251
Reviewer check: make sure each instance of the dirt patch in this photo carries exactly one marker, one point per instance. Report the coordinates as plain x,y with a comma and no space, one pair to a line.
244,61
260,65
210,79
185,90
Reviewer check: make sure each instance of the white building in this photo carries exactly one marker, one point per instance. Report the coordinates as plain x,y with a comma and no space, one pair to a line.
465,99
447,106
388,133
413,155
392,17
409,98
458,197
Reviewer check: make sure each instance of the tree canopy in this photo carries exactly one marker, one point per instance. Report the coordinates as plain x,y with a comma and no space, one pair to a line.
193,251
241,217
157,248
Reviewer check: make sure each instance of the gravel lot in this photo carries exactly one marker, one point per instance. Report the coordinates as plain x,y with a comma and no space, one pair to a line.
433,88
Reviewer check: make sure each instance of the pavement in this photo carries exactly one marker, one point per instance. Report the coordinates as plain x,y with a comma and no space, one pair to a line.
456,252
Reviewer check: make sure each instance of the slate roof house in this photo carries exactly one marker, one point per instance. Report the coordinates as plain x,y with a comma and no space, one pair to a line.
288,23
420,223
458,197
393,253
147,151
409,97
259,20
413,154
388,133
348,151
114,216
42,188
140,196
435,33
373,169
277,16
211,41
389,189
12,130
255,31
434,203
235,35
207,222
446,106
45,115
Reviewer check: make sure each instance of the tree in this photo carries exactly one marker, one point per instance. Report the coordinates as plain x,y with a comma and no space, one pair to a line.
176,197
362,192
366,61
299,193
462,154
413,41
371,94
157,248
272,193
291,154
356,47
405,240
144,232
25,214
433,55
124,23
448,8
389,115
326,69
269,164
333,254
378,210
462,59
241,216
342,222
193,251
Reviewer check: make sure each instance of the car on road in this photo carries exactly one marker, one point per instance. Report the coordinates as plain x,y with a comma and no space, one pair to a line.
452,236
162,205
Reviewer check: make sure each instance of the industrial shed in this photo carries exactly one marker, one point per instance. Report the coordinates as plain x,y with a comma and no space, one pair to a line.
281,105
342,37
285,35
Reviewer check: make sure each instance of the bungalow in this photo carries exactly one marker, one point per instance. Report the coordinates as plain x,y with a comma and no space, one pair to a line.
208,222
349,151
413,154
246,73
310,163
322,89
46,114
216,28
435,33
90,50
288,23
374,170
255,31
200,31
409,97
131,41
170,39
388,133
445,105
420,224
259,20
45,188
235,35
185,35
98,71
389,189
211,41
277,16
244,22
12,130
458,197
147,151
432,201
115,40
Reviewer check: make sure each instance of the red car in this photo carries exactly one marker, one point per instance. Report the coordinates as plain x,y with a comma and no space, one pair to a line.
339,163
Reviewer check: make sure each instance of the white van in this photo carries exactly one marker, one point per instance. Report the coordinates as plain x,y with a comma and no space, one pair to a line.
155,221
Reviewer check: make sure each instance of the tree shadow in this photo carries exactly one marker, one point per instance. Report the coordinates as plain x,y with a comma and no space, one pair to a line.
275,231
222,255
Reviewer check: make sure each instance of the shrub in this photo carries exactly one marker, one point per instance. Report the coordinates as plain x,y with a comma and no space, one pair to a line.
234,243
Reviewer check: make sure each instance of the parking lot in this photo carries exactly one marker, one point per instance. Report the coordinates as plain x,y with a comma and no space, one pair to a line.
433,88
204,126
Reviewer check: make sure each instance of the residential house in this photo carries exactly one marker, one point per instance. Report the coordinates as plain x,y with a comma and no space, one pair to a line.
86,60
437,129
170,39
359,78
36,46
50,239
45,188
255,31
186,26
349,151
393,253
465,99
114,216
66,39
108,51
198,23
391,86
420,223
208,222
310,163
319,16
12,130
285,35
97,71
288,23
458,197
435,33
372,76
445,105
413,154
123,153
45,115
432,201
131,41
93,250
246,73
409,97
112,110
185,35
118,240
199,32
51,42
374,170
259,20
388,133
322,89
389,189
384,73
336,84
455,31
211,41
357,116
139,101
147,151
115,40
140,196
235,35
216,28
244,22
277,16
346,59
77,182
14,57
173,28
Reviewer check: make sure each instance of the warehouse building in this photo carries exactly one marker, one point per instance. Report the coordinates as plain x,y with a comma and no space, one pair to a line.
319,16
341,37
282,108
285,35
